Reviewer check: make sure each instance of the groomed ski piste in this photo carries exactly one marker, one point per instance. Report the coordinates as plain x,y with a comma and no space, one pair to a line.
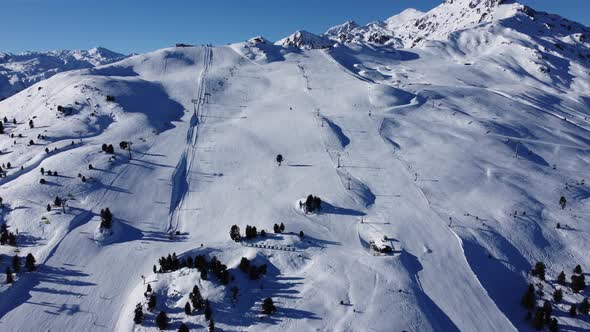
454,154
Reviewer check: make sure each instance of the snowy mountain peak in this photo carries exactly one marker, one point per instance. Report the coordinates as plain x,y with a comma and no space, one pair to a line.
305,40
407,15
19,71
344,28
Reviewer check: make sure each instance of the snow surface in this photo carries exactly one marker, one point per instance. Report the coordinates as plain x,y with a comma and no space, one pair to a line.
413,148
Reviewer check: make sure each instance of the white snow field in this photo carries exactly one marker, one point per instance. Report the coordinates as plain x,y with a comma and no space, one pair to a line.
455,153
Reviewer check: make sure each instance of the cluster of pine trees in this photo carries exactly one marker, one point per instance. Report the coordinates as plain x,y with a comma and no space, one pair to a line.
312,204
16,266
253,271
251,233
108,148
279,228
542,315
7,237
214,266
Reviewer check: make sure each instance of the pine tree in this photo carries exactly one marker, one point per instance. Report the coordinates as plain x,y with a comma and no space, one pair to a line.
154,269
584,306
573,312
562,202
528,299
578,283
561,278
211,325
48,207
183,328
553,327
138,314
244,265
578,269
31,124
16,263
301,235
207,310
9,276
196,299
1,128
234,233
152,302
187,309
282,227
162,320
106,219
30,262
279,159
557,295
538,321
268,306
57,201
277,229
539,270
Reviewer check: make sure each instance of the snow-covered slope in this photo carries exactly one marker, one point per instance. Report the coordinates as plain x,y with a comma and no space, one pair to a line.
19,71
454,154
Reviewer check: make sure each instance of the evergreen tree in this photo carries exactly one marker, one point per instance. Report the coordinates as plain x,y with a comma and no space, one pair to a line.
211,324
553,327
183,328
48,207
539,270
528,299
16,263
578,269
561,278
263,233
196,299
106,219
152,302
562,202
268,306
138,314
187,309
244,265
30,262
578,283
573,312
149,288
154,269
57,201
162,320
9,276
31,124
279,159
557,295
301,235
234,233
538,321
277,229
1,128
282,227
584,306
207,310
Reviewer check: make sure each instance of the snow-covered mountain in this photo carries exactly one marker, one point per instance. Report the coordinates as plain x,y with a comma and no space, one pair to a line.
447,164
19,71
305,40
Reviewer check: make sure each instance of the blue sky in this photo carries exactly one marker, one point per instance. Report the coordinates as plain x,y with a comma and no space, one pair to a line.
142,25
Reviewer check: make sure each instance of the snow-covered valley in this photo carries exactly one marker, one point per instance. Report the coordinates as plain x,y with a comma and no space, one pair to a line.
454,152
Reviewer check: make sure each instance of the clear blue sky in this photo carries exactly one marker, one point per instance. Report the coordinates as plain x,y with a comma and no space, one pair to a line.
142,25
